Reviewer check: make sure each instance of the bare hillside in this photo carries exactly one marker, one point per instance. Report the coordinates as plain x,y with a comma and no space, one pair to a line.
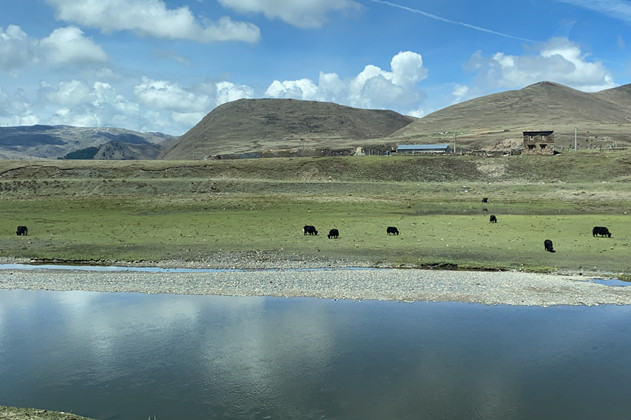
620,96
283,125
601,118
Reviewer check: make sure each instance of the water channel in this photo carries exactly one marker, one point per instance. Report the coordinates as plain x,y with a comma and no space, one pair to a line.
134,356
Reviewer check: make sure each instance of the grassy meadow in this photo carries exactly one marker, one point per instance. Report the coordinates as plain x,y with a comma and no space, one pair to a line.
113,211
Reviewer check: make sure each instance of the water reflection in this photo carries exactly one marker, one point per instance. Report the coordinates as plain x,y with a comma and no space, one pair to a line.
128,356
109,268
612,282
115,268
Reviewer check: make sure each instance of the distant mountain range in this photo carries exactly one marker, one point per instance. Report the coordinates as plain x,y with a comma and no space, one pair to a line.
288,127
53,142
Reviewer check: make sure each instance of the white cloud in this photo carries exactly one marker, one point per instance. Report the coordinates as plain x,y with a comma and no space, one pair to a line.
69,93
69,46
67,116
152,18
17,50
460,92
303,13
77,103
167,95
378,88
184,107
104,95
618,9
331,88
297,89
373,87
558,60
149,105
187,119
228,92
418,113
16,110
407,69
63,46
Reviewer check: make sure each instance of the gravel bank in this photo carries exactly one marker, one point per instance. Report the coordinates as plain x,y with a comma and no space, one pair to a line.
510,288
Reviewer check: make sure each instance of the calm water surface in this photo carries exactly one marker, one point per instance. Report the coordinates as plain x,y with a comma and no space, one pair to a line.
131,356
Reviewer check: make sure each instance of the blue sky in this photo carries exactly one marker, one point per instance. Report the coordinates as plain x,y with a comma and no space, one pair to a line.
162,65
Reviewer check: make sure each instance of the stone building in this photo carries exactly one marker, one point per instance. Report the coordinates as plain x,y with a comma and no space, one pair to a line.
539,142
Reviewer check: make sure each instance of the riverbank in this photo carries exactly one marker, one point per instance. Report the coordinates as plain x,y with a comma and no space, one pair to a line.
17,413
334,281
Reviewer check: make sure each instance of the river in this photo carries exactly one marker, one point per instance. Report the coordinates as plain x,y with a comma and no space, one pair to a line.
135,356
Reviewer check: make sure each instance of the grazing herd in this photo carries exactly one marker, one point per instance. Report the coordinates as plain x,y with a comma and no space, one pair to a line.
391,230
335,233
547,244
601,231
597,231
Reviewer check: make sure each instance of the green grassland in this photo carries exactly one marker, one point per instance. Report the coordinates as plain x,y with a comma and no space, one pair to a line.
154,210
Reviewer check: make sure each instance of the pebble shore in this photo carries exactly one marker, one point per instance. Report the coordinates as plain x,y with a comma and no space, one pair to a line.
293,279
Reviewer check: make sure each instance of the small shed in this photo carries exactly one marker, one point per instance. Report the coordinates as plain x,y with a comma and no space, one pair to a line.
424,148
539,142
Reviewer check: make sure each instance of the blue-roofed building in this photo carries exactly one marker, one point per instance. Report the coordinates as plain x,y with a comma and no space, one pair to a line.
424,148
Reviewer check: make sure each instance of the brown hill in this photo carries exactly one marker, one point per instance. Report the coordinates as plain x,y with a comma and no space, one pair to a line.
620,96
283,126
602,118
286,127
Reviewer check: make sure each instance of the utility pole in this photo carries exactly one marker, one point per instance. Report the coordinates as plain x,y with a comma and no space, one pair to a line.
455,132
